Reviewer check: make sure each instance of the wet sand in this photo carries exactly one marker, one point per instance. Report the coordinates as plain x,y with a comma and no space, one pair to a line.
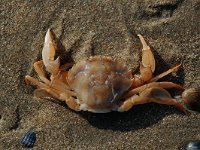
88,28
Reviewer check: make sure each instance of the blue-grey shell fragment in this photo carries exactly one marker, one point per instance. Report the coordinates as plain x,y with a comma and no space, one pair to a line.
191,145
29,138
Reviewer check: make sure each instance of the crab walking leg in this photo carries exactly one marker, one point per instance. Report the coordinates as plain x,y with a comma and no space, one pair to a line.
130,102
71,103
60,88
147,65
42,92
58,81
153,84
170,101
174,69
136,100
29,79
48,53
155,94
40,72
47,92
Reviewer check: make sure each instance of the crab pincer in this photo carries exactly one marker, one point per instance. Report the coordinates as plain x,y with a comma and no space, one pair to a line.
48,54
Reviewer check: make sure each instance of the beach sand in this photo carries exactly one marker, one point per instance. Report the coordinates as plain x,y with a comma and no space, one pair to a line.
83,29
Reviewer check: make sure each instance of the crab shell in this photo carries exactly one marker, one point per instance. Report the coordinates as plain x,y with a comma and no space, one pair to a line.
99,83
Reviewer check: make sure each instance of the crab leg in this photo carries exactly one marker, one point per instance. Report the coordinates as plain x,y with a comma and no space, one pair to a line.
165,73
153,84
154,94
29,79
47,92
57,82
147,65
40,72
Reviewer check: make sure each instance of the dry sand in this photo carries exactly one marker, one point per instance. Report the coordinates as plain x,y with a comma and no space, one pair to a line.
171,27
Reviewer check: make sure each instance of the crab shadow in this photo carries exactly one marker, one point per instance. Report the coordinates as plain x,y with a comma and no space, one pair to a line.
140,116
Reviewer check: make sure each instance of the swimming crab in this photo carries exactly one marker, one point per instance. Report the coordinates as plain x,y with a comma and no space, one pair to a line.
101,84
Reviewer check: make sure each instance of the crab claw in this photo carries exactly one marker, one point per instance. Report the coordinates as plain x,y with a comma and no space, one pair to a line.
147,55
48,53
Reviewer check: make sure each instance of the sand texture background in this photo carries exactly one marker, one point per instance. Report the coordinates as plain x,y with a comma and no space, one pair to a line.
86,28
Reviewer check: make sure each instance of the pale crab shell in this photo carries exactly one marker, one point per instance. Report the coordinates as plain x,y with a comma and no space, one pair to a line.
99,83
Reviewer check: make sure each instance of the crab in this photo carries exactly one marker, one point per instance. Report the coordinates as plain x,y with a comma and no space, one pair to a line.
101,84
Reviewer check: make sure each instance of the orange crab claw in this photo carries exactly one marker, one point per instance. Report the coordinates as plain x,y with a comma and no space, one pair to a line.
48,54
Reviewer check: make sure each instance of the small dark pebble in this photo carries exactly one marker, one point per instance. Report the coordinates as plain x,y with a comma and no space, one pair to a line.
28,139
190,145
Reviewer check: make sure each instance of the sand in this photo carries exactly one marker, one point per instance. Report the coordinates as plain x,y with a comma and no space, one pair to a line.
87,28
